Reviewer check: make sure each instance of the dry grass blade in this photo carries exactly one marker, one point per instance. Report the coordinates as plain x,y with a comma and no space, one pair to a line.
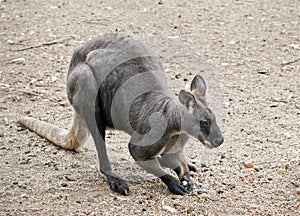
290,62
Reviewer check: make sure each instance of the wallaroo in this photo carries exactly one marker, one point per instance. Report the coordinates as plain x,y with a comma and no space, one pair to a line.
116,82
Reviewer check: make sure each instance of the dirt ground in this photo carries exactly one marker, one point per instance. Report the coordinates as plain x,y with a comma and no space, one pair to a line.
247,50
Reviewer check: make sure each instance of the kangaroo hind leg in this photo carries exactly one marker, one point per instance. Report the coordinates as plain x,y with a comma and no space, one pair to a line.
78,133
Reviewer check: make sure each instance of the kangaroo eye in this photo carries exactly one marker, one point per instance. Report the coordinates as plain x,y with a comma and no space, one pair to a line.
205,126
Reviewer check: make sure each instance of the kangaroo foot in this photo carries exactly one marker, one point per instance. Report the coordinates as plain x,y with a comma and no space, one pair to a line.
118,185
173,184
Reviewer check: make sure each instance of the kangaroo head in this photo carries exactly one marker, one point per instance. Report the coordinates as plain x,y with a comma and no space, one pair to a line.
198,119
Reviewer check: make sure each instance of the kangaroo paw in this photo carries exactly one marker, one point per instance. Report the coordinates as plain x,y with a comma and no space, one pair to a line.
118,185
173,184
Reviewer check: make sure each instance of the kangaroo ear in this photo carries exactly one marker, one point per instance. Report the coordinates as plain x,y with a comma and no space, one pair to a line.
186,98
199,84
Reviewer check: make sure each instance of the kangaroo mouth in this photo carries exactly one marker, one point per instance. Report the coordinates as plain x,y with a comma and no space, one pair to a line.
206,143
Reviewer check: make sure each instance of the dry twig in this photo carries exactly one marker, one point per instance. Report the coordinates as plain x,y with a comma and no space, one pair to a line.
58,41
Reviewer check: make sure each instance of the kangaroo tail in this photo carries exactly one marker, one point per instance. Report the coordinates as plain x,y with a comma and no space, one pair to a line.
54,134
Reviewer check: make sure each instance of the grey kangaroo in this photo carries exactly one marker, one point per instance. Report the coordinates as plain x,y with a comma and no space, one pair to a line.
115,82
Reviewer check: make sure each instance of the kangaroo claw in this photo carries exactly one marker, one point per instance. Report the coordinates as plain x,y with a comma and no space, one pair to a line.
118,185
187,183
192,168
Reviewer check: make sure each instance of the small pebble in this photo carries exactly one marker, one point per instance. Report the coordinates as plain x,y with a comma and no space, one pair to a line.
220,192
231,186
24,196
70,178
18,61
241,175
288,135
64,184
6,122
257,169
249,165
10,41
298,191
201,192
170,209
205,169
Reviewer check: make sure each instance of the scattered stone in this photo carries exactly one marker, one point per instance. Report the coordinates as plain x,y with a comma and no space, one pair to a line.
298,191
6,122
204,165
10,42
231,186
232,42
169,208
25,161
249,165
24,196
287,135
20,128
205,169
220,191
70,178
18,61
257,169
201,192
64,184
160,2
177,76
22,185
241,175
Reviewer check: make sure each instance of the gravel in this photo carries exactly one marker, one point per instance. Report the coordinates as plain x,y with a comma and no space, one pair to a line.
248,51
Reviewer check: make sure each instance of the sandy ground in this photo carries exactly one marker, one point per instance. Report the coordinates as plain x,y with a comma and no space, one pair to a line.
247,50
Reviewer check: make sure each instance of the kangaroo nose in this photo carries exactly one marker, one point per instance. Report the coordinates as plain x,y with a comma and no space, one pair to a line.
218,141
